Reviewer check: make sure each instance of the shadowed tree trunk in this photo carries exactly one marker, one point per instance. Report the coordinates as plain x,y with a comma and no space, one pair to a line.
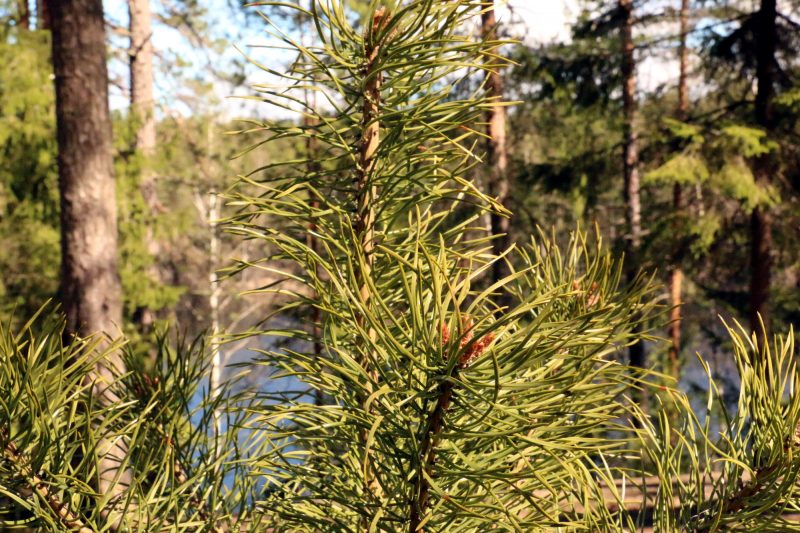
761,220
676,274
23,14
497,151
313,169
43,19
630,158
90,287
630,149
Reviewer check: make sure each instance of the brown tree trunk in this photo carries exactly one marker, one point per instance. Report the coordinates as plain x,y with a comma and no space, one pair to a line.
761,219
630,155
313,168
43,19
142,109
90,287
676,274
23,15
497,150
141,72
630,159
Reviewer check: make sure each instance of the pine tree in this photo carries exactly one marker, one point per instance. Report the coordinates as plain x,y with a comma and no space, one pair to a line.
441,410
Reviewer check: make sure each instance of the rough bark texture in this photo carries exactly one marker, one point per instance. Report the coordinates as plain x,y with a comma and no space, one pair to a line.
761,221
497,151
365,189
676,274
630,158
21,466
90,286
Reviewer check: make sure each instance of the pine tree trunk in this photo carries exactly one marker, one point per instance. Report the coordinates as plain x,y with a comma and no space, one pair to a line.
313,169
23,15
630,159
676,274
43,19
761,219
90,287
141,72
497,152
217,366
143,112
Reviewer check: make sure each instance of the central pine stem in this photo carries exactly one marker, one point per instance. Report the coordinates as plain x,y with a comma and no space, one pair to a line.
366,192
433,432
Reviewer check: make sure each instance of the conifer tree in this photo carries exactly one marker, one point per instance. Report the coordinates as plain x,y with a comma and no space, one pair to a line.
441,411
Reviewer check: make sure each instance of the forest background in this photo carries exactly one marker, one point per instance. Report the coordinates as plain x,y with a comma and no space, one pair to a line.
671,126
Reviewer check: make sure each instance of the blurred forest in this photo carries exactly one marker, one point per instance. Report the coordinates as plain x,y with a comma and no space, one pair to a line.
694,176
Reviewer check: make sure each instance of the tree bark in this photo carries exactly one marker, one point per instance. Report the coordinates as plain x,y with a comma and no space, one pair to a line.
676,274
43,19
90,289
142,108
496,151
630,159
761,219
141,72
23,15
630,155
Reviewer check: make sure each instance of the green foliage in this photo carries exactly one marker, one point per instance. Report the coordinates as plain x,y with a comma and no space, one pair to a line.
717,164
683,169
735,180
54,426
429,387
28,177
405,392
136,226
739,471
27,125
749,142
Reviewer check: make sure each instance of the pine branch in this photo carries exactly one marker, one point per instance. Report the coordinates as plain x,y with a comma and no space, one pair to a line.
366,197
68,518
435,424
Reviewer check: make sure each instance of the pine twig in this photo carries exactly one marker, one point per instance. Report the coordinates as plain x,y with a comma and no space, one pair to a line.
367,194
470,351
65,515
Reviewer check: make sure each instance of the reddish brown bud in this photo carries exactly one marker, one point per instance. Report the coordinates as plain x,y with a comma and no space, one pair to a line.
445,334
593,296
380,21
476,350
